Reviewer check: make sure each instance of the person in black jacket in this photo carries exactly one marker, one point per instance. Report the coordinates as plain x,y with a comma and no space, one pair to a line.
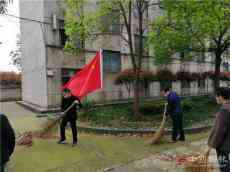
7,141
70,116
174,110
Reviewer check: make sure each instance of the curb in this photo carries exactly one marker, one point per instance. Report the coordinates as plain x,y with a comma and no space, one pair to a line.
116,131
36,109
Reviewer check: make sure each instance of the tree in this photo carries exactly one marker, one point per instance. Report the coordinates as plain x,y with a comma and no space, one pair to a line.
3,5
190,27
16,55
84,24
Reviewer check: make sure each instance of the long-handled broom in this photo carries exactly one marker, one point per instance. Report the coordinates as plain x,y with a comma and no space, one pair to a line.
52,123
27,137
161,130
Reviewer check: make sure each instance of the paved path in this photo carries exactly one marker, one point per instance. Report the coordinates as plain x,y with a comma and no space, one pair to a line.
153,164
28,120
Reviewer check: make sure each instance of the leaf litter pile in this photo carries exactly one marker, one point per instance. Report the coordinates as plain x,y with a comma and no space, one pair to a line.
26,138
192,162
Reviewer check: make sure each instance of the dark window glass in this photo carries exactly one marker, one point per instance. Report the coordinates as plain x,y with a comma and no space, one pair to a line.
201,83
185,84
111,61
226,67
63,36
111,23
67,74
136,42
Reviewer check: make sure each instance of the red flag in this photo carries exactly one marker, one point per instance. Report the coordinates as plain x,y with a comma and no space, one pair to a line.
88,79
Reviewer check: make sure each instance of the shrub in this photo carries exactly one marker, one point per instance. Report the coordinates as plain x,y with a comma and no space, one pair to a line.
88,105
165,75
10,78
128,76
187,76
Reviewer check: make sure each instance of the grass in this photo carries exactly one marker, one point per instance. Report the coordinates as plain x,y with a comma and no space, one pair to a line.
197,109
93,153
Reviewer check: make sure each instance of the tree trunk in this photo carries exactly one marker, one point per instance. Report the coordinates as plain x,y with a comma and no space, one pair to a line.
136,103
217,70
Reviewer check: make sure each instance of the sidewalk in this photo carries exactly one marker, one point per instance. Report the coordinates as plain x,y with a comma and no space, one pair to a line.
28,120
154,164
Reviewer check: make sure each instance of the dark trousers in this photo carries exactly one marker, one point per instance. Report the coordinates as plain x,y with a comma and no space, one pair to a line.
177,130
73,125
2,167
223,160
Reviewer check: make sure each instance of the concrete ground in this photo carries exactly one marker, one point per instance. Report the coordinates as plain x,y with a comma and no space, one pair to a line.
28,120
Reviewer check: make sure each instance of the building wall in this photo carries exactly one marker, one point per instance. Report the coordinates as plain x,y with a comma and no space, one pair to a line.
34,87
56,60
10,92
42,76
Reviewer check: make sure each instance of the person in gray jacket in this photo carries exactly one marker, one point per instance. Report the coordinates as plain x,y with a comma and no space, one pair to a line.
219,138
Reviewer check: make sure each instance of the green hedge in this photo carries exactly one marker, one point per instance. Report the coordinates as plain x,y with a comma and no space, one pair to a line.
122,114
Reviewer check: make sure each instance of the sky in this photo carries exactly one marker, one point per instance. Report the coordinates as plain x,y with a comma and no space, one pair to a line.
9,29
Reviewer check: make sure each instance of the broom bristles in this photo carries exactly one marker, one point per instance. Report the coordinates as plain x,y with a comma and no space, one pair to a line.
49,126
160,132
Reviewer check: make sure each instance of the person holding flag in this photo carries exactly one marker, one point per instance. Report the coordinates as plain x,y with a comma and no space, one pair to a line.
82,83
69,113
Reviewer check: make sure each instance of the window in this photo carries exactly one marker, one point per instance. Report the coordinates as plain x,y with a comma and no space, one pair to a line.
226,67
165,84
185,84
66,74
137,41
201,57
145,7
185,53
185,87
111,61
201,83
62,36
111,23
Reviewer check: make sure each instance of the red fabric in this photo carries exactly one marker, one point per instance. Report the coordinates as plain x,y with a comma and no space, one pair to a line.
88,79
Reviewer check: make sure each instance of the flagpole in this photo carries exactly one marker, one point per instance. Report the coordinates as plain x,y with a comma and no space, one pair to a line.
101,67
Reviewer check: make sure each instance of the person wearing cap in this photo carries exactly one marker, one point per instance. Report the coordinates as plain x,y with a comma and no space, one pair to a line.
69,105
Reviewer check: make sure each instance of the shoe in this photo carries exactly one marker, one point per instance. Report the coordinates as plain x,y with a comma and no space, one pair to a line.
61,142
74,144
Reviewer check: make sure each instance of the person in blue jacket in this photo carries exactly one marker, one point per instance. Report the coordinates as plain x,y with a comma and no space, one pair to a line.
174,110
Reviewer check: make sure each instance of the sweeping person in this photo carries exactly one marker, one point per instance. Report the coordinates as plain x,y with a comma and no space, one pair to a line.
70,116
7,142
219,138
174,110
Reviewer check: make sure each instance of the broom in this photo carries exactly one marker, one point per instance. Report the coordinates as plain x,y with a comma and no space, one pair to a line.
51,124
161,130
27,137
